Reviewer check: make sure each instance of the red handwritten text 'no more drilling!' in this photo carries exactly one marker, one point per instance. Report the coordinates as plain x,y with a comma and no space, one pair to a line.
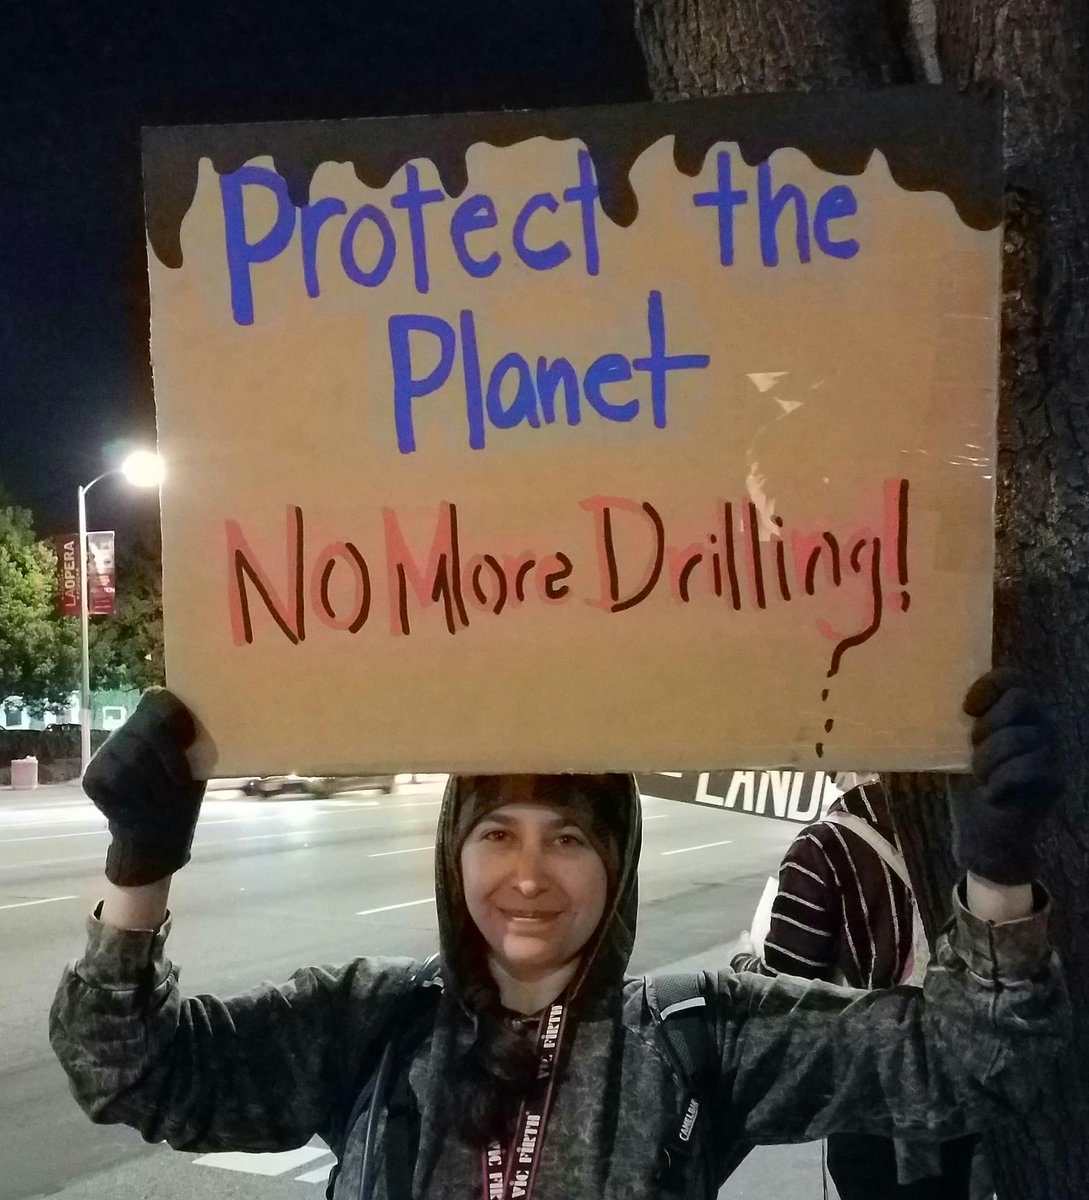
730,564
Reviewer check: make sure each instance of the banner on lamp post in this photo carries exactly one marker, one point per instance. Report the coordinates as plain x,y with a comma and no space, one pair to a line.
67,548
101,574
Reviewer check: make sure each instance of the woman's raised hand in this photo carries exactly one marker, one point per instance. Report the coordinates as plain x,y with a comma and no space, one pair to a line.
140,780
1018,780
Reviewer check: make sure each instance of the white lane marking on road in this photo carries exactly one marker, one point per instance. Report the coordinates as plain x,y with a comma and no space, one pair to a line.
50,862
256,837
655,816
319,1175
390,853
303,832
266,816
262,1164
27,903
705,846
51,837
59,862
41,824
367,912
85,813
672,774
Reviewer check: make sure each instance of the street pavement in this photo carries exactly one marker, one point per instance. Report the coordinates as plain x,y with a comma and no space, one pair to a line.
273,885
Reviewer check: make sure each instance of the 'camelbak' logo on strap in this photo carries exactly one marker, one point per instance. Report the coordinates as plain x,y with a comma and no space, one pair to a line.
690,1119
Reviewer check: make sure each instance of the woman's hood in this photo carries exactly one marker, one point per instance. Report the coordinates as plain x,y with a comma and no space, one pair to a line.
615,799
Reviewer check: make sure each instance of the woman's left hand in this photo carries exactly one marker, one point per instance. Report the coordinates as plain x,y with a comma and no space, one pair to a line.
1018,780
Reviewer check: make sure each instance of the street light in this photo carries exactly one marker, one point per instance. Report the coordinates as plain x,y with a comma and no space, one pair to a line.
142,468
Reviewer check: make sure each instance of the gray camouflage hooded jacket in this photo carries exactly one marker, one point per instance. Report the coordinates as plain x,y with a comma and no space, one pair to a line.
266,1070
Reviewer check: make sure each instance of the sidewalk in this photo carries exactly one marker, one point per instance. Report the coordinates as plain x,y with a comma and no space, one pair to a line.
779,1173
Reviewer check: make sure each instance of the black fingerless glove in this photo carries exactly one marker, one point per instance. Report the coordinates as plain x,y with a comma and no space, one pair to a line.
141,782
1015,764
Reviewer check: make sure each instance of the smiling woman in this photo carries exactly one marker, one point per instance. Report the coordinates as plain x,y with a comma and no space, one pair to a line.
540,1063
535,887
537,858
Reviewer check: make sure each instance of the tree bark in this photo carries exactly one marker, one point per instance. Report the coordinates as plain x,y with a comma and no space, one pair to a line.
704,48
1038,51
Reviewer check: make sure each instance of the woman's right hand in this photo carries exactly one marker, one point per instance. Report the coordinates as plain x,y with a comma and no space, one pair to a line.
140,780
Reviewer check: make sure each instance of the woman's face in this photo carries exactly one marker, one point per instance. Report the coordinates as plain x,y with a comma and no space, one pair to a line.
534,886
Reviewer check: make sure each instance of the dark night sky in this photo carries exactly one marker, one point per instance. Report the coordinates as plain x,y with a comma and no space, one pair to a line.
77,81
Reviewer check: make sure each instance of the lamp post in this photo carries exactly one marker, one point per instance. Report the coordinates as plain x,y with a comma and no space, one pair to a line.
142,468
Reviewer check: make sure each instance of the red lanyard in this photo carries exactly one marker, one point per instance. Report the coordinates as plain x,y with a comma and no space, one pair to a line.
510,1175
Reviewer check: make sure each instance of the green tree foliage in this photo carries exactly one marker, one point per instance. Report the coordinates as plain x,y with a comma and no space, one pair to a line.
39,650
127,647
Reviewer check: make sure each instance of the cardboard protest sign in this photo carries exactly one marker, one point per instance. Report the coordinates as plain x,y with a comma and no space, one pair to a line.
644,437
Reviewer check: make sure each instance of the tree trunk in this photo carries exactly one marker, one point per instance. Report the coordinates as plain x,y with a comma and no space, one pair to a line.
1038,51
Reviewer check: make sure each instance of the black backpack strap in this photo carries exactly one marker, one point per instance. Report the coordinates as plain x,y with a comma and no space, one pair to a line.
372,1092
682,1007
402,1136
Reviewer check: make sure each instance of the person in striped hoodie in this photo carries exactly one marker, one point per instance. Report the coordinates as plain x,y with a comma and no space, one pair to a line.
844,912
